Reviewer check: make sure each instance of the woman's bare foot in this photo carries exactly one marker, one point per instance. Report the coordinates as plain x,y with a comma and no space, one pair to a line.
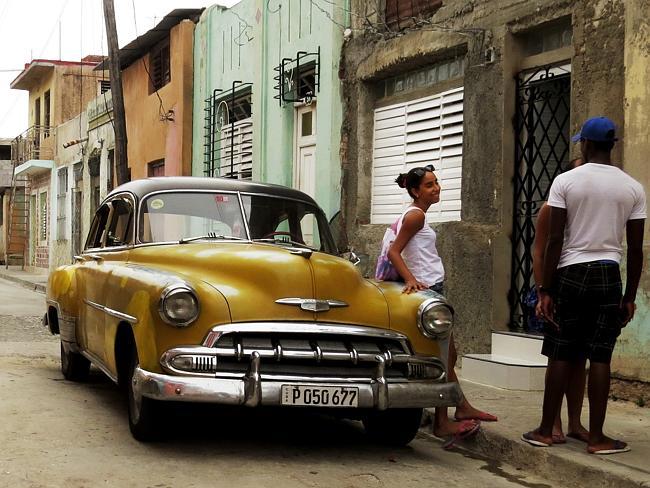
467,412
449,428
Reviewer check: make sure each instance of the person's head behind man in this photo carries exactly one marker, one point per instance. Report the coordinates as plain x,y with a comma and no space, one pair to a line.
597,138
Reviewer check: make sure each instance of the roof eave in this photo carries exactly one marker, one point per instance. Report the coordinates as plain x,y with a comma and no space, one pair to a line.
30,75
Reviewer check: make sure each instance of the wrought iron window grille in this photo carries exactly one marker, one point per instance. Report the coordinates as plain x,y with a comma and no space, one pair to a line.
228,146
298,79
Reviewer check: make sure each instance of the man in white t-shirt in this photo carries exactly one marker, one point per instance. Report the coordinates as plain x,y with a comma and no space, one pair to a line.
581,296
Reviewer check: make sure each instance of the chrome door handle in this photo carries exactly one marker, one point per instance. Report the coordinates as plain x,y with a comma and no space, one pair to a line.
95,257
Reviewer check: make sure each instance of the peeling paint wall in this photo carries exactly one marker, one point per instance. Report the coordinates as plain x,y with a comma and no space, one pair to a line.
477,250
631,353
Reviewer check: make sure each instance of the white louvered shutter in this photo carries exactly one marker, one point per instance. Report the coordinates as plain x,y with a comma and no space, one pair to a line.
239,148
407,135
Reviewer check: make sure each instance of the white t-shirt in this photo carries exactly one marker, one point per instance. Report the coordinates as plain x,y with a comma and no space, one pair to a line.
599,200
420,253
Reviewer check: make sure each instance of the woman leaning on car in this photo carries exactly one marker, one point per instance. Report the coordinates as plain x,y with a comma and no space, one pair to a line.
415,257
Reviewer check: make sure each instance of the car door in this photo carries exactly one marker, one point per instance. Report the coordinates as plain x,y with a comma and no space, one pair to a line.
90,279
119,241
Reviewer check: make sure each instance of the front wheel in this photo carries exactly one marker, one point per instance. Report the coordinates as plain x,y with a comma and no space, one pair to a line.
74,366
143,411
395,427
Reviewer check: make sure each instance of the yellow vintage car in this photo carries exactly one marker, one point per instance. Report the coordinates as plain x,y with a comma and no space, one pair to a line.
232,292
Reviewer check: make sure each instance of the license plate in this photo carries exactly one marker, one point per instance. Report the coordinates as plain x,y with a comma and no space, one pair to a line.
320,396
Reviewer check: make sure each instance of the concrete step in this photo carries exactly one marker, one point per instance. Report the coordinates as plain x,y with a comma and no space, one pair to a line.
504,372
526,347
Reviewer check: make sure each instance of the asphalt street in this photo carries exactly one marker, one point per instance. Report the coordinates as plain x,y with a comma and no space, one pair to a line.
57,433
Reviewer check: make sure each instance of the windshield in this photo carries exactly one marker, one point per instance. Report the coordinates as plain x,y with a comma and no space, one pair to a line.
287,222
174,216
186,216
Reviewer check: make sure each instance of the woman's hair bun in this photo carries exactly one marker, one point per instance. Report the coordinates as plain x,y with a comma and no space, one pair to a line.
401,180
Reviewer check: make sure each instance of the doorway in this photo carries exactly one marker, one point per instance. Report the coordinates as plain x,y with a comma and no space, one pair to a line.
541,153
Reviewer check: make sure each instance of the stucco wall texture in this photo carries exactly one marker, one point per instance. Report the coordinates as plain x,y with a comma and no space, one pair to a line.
609,65
150,134
246,43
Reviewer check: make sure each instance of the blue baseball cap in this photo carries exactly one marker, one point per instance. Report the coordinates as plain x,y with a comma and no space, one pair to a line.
599,129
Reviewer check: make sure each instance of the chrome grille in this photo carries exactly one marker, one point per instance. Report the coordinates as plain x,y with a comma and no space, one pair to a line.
323,355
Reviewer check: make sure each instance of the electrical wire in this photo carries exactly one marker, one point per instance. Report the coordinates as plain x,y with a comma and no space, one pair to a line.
161,109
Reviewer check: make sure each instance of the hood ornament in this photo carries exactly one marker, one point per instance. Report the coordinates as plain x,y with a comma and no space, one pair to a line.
312,304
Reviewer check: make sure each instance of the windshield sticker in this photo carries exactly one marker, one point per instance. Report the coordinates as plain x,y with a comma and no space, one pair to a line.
157,204
221,198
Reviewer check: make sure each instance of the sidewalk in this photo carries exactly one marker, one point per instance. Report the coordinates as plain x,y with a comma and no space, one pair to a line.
34,280
567,464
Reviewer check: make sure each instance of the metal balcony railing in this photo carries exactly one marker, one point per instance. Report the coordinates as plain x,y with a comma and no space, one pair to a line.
34,143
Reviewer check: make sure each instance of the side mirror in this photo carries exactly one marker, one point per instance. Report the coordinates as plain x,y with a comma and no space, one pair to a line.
352,257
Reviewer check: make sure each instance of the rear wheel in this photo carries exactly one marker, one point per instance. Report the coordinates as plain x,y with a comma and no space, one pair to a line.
74,366
395,427
143,411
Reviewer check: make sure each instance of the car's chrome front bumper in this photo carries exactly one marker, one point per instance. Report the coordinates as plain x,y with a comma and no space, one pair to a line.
255,389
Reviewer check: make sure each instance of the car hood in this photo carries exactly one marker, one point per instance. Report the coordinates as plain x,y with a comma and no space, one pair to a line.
252,278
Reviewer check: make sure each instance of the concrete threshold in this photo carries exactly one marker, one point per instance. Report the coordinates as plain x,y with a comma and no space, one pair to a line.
567,465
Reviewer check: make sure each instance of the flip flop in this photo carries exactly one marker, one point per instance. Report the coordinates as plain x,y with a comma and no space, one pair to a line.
579,437
471,431
482,416
528,437
617,447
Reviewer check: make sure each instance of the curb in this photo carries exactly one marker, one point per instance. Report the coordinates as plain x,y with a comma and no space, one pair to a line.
494,446
26,283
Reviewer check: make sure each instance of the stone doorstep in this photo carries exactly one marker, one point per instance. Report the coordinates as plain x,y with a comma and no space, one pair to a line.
560,467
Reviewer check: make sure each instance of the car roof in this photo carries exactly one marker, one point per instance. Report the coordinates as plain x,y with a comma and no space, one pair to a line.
143,187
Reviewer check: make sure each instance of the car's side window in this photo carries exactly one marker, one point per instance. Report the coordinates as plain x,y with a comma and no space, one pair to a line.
98,227
120,227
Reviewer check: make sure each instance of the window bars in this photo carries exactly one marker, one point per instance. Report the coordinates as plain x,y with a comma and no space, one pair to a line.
298,79
541,152
228,147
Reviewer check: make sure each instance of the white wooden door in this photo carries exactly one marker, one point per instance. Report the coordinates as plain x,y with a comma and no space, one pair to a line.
304,178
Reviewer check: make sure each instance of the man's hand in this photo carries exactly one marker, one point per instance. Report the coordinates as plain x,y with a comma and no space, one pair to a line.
627,311
546,309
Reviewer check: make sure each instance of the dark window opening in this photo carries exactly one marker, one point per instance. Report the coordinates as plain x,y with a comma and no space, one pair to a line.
111,169
548,37
37,112
5,153
156,168
401,14
298,79
159,66
104,86
303,84
46,112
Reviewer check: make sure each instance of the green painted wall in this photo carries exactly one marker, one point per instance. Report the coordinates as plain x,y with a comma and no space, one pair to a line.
245,43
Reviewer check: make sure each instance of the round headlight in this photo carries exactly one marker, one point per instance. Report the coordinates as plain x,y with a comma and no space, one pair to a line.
179,306
435,319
